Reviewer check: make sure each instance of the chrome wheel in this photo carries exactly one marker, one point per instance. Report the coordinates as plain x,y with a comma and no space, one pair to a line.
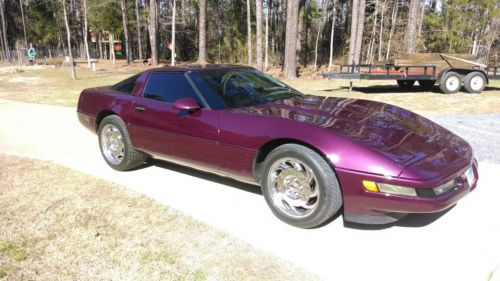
293,187
113,146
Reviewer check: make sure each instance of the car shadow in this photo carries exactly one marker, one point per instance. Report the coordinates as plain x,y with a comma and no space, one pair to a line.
394,89
203,175
411,220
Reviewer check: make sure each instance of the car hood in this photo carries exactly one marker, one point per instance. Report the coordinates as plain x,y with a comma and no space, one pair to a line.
397,133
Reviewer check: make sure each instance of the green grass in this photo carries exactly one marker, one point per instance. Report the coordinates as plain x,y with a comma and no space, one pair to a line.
13,250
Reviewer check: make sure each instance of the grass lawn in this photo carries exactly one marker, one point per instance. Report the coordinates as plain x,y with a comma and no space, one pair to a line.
54,86
59,224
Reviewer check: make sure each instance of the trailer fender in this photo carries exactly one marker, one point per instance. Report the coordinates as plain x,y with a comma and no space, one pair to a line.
462,72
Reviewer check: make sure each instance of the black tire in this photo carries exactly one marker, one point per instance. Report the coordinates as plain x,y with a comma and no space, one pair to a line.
329,200
449,84
426,84
406,84
131,158
474,82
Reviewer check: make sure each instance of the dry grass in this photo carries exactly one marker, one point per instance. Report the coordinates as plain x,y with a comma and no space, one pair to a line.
59,224
54,86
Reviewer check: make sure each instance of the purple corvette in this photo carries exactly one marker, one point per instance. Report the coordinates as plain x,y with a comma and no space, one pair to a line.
313,156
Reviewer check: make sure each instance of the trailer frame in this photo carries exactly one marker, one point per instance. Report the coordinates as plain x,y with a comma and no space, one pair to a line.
406,75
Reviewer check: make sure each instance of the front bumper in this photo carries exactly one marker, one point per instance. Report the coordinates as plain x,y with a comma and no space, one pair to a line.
368,207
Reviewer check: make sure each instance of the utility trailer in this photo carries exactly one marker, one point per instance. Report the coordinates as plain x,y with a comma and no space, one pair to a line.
449,79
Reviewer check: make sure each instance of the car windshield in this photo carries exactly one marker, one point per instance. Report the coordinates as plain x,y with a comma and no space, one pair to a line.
240,88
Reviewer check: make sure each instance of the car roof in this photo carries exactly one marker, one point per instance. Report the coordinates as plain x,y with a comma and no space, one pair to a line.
199,67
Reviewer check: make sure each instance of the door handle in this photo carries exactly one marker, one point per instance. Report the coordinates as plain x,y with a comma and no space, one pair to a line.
140,109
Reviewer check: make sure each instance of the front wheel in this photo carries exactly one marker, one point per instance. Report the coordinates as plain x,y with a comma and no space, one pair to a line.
450,83
115,144
300,187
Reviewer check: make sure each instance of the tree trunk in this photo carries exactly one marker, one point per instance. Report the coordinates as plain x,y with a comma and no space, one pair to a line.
420,18
68,34
112,55
172,62
249,34
332,33
411,32
266,56
371,47
360,29
381,32
320,28
2,48
394,17
153,28
306,32
128,54
2,51
354,31
138,23
292,18
202,32
259,34
86,32
24,24
100,45
4,30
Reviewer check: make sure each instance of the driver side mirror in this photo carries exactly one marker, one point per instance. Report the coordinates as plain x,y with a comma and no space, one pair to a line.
188,104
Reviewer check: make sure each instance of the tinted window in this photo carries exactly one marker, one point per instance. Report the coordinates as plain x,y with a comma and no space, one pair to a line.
126,86
240,88
168,87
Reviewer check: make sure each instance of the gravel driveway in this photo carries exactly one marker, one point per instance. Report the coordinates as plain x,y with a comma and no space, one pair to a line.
482,131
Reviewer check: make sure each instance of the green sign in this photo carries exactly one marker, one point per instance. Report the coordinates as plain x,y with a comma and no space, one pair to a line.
31,53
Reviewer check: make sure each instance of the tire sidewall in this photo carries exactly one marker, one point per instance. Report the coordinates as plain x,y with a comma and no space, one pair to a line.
468,80
114,120
445,78
317,216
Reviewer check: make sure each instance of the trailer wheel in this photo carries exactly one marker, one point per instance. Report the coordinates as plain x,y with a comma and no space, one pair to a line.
474,82
426,84
450,83
406,84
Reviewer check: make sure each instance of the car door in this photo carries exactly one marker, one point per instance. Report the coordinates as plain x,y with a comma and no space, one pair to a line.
157,128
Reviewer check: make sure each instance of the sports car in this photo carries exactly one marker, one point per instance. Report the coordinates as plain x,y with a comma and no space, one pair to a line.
314,157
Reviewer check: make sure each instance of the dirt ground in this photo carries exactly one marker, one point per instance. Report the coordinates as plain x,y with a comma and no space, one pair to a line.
54,86
55,225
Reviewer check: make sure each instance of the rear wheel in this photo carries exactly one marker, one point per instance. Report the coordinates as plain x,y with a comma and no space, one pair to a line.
406,84
300,187
115,144
426,84
450,83
474,82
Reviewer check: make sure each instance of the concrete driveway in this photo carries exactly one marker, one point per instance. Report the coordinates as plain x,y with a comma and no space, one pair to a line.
460,244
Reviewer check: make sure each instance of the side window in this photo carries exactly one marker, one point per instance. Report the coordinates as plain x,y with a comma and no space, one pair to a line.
168,87
126,86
